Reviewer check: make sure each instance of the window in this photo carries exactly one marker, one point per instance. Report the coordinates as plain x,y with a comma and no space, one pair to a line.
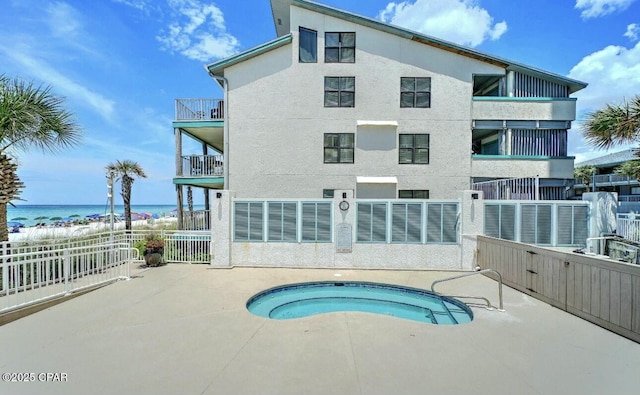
248,221
340,47
282,221
339,91
316,222
327,193
338,147
406,223
413,194
414,149
372,222
415,92
308,46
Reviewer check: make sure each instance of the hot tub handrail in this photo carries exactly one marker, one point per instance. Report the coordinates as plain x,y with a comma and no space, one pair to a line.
472,274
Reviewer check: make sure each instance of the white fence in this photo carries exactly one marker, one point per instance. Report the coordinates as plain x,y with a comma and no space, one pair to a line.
628,226
510,189
545,223
36,273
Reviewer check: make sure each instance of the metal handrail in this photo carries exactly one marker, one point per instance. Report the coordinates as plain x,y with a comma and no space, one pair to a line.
472,274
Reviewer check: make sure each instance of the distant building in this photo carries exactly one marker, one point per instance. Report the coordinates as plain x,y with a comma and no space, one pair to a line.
627,188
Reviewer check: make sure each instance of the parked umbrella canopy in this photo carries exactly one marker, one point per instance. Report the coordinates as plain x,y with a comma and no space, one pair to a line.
40,218
75,216
15,224
93,216
56,218
20,219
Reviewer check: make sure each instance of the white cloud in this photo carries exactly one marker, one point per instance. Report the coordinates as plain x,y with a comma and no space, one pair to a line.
198,31
63,20
598,8
140,5
460,21
633,32
63,84
613,74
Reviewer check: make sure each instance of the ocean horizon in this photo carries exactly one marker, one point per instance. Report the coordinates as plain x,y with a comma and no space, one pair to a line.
27,213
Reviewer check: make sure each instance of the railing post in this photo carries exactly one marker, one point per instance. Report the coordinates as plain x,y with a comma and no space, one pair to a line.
66,269
5,272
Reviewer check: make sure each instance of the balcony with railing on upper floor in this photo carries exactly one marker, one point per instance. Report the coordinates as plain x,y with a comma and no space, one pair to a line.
205,171
518,96
608,180
199,110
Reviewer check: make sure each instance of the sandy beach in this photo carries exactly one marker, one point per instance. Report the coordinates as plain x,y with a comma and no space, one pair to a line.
50,232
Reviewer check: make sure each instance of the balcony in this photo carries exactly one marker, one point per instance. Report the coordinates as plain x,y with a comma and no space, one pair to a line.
199,109
609,180
508,166
206,171
522,108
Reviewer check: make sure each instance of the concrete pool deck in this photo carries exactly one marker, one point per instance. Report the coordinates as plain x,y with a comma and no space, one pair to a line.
184,329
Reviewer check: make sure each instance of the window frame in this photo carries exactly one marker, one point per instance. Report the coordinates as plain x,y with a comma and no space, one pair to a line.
415,92
340,91
340,148
414,149
339,47
300,42
413,193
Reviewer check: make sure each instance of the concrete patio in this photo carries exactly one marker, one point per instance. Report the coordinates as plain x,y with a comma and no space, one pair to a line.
184,329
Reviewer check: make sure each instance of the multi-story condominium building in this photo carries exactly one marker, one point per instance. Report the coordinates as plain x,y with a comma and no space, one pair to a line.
607,180
340,101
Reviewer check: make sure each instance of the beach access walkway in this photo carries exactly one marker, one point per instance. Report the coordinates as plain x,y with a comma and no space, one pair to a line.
185,329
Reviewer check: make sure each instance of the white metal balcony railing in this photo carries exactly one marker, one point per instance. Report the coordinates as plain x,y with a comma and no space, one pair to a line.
628,226
629,198
199,109
202,165
509,189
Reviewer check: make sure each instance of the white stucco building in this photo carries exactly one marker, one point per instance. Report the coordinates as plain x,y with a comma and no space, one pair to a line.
341,101
348,142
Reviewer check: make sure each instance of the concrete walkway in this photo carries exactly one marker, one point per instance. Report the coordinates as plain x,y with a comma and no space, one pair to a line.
182,329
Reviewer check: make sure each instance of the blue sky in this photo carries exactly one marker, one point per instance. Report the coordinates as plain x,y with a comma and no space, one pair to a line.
121,63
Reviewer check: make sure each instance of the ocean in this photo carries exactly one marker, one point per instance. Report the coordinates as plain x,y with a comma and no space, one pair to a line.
31,212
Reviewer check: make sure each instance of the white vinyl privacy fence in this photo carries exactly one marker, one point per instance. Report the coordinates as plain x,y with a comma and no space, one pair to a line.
628,226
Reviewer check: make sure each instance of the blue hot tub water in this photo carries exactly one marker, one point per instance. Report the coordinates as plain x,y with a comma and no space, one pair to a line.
302,300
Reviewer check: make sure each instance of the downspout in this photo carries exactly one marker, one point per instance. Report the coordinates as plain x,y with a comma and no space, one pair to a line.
222,80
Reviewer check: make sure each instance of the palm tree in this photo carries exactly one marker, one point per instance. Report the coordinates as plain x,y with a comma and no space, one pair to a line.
584,174
30,117
613,125
630,169
125,171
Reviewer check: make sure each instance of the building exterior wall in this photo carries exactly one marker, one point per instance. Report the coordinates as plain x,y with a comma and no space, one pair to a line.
277,117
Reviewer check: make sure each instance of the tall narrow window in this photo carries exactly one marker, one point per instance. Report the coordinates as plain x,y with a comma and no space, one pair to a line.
339,91
338,147
415,92
414,149
308,46
340,47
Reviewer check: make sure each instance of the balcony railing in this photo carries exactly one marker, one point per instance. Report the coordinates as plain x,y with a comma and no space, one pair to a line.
195,220
202,166
199,109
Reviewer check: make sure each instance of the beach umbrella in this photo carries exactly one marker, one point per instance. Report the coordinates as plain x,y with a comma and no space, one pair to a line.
14,224
19,219
40,218
93,216
75,216
56,218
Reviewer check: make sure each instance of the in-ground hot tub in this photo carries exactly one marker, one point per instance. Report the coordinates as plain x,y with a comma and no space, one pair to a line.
305,299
